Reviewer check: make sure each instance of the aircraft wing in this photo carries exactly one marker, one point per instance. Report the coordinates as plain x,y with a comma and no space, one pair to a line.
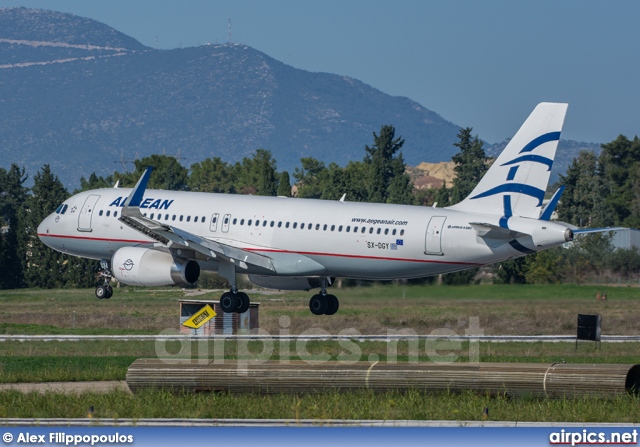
175,237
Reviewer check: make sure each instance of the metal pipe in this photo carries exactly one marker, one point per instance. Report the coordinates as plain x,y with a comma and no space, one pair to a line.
273,377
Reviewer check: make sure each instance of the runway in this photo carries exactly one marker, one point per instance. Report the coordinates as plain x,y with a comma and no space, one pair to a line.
322,337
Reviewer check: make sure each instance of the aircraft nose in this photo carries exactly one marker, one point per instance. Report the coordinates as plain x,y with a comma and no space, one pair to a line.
43,228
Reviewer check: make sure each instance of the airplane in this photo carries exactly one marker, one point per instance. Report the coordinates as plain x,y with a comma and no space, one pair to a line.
159,238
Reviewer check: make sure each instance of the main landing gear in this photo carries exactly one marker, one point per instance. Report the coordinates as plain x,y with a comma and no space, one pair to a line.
322,303
104,291
234,301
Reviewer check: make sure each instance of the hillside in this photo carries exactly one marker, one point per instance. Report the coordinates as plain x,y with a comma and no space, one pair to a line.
83,97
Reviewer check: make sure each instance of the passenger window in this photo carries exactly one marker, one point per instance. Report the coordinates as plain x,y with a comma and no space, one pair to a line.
371,230
144,214
324,228
363,230
235,220
115,214
173,217
317,226
241,221
108,213
272,224
202,219
286,225
249,222
340,228
355,229
379,230
152,214
188,218
215,219
279,224
333,227
181,218
302,226
166,217
386,231
401,232
348,228
264,223
394,232
100,213
226,220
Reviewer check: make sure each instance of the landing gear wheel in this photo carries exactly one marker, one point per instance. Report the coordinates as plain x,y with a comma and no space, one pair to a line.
333,306
318,304
244,302
101,292
229,302
109,291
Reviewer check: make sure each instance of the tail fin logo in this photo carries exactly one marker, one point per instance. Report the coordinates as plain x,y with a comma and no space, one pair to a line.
521,188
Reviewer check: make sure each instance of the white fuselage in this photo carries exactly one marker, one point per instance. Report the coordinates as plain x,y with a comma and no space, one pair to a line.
348,239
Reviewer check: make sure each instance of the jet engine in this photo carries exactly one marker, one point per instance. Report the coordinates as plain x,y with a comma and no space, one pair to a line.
286,283
138,266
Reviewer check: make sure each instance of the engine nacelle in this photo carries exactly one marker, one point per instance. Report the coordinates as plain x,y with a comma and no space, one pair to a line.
138,266
286,283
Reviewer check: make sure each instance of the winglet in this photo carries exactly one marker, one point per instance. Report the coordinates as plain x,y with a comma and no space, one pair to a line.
551,206
135,198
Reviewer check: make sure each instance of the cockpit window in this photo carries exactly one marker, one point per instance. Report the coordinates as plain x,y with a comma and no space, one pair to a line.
64,209
59,209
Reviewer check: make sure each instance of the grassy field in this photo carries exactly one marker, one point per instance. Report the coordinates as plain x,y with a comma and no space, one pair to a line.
362,405
512,310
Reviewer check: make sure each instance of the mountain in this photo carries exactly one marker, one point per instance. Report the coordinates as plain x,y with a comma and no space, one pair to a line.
84,97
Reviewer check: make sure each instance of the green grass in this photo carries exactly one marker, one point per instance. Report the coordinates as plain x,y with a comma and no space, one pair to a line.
63,369
411,405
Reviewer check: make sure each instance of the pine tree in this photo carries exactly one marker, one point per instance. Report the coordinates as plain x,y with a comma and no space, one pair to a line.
284,185
12,198
471,165
380,160
42,266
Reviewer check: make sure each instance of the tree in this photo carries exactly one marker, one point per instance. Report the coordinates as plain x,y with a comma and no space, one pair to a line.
42,266
212,175
380,158
471,165
310,178
284,185
583,201
167,173
12,198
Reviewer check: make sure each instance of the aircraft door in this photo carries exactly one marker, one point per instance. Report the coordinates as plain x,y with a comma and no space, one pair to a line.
225,222
433,242
214,222
84,219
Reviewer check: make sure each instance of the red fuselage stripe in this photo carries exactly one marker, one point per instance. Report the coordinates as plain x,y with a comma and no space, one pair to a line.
86,238
270,250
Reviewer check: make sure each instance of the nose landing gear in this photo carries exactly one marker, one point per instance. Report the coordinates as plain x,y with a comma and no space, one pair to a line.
104,291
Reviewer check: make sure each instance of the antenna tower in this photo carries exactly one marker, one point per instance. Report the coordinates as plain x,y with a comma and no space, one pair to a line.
229,32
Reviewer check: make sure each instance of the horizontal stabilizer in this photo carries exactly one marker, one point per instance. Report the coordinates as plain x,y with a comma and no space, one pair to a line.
490,231
597,230
548,210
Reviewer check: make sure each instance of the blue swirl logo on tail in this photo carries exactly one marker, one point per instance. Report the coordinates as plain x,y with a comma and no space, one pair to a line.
521,188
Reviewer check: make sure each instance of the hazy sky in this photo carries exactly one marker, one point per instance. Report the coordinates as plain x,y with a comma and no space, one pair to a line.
484,64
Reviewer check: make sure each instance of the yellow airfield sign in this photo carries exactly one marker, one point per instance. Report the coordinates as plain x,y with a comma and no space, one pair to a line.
201,317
